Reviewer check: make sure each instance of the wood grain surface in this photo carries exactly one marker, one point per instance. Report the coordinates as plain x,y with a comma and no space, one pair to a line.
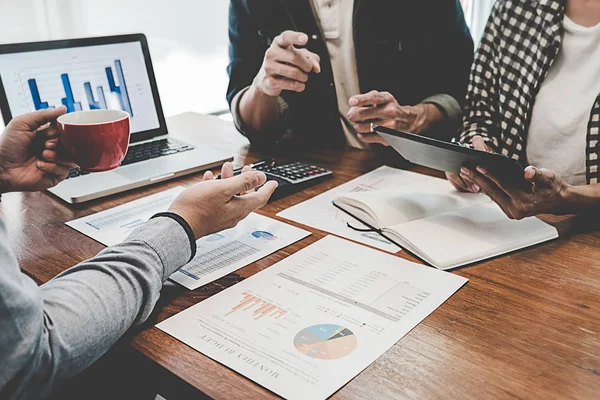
527,325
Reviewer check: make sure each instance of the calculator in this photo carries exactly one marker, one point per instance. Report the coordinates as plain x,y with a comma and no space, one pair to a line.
293,173
292,177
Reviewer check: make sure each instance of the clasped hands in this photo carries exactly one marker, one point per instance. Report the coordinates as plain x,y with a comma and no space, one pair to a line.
381,108
548,194
287,65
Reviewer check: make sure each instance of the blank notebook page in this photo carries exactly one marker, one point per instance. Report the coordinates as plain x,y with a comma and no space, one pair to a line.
419,200
471,234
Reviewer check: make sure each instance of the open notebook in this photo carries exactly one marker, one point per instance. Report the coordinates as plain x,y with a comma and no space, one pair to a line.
446,228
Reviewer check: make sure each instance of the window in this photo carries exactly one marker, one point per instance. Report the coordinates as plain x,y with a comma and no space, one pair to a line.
188,40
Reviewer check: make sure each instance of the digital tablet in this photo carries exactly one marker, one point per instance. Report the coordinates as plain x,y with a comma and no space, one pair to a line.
450,157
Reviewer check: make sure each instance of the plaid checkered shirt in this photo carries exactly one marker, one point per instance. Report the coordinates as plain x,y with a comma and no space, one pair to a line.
519,45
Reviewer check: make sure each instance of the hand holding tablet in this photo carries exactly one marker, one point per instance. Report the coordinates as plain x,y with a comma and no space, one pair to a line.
451,157
464,184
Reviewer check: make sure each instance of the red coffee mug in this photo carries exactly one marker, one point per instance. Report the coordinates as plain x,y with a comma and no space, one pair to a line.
96,140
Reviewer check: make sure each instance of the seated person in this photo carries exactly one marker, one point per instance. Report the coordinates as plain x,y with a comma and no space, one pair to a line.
298,68
51,333
534,95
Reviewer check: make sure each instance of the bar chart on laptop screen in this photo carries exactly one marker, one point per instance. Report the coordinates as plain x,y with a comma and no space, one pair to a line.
107,91
87,78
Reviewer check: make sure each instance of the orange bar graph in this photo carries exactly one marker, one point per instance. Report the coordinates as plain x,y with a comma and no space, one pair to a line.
264,307
260,308
266,311
247,299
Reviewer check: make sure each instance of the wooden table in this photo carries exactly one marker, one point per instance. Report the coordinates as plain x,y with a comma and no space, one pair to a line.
526,325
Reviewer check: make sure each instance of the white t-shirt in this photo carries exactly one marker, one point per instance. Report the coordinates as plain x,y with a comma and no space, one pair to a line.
560,116
336,19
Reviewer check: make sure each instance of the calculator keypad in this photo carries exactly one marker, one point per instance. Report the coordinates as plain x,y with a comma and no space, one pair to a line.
294,172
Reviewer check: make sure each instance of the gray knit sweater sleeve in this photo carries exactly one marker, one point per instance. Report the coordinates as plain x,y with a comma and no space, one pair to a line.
50,333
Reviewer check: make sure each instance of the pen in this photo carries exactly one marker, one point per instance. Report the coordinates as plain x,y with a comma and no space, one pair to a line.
238,171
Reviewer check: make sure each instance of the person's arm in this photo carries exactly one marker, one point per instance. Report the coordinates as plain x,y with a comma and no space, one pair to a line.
549,194
258,74
51,333
481,113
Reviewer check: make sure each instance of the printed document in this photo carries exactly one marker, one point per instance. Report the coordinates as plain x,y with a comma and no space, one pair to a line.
307,325
217,255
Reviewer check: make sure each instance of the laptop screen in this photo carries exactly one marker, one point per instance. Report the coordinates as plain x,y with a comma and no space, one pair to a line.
82,78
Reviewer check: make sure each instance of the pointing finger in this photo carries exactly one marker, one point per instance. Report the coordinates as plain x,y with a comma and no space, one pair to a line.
291,38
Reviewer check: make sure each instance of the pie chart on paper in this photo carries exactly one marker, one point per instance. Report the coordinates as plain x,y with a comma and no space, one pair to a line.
325,342
264,235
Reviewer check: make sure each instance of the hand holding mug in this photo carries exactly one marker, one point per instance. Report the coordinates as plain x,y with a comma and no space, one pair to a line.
30,155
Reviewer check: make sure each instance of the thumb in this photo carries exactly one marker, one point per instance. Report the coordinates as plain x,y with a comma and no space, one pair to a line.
244,182
41,117
541,177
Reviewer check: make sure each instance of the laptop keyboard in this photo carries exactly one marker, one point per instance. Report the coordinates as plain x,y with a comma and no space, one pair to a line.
143,152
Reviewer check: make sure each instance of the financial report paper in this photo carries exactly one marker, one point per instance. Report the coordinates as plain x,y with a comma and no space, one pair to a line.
217,255
307,325
319,212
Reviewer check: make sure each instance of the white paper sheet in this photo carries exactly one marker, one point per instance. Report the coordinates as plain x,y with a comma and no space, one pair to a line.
217,255
307,325
319,212
112,226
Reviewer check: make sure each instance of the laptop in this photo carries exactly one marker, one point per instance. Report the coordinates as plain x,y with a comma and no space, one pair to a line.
96,73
